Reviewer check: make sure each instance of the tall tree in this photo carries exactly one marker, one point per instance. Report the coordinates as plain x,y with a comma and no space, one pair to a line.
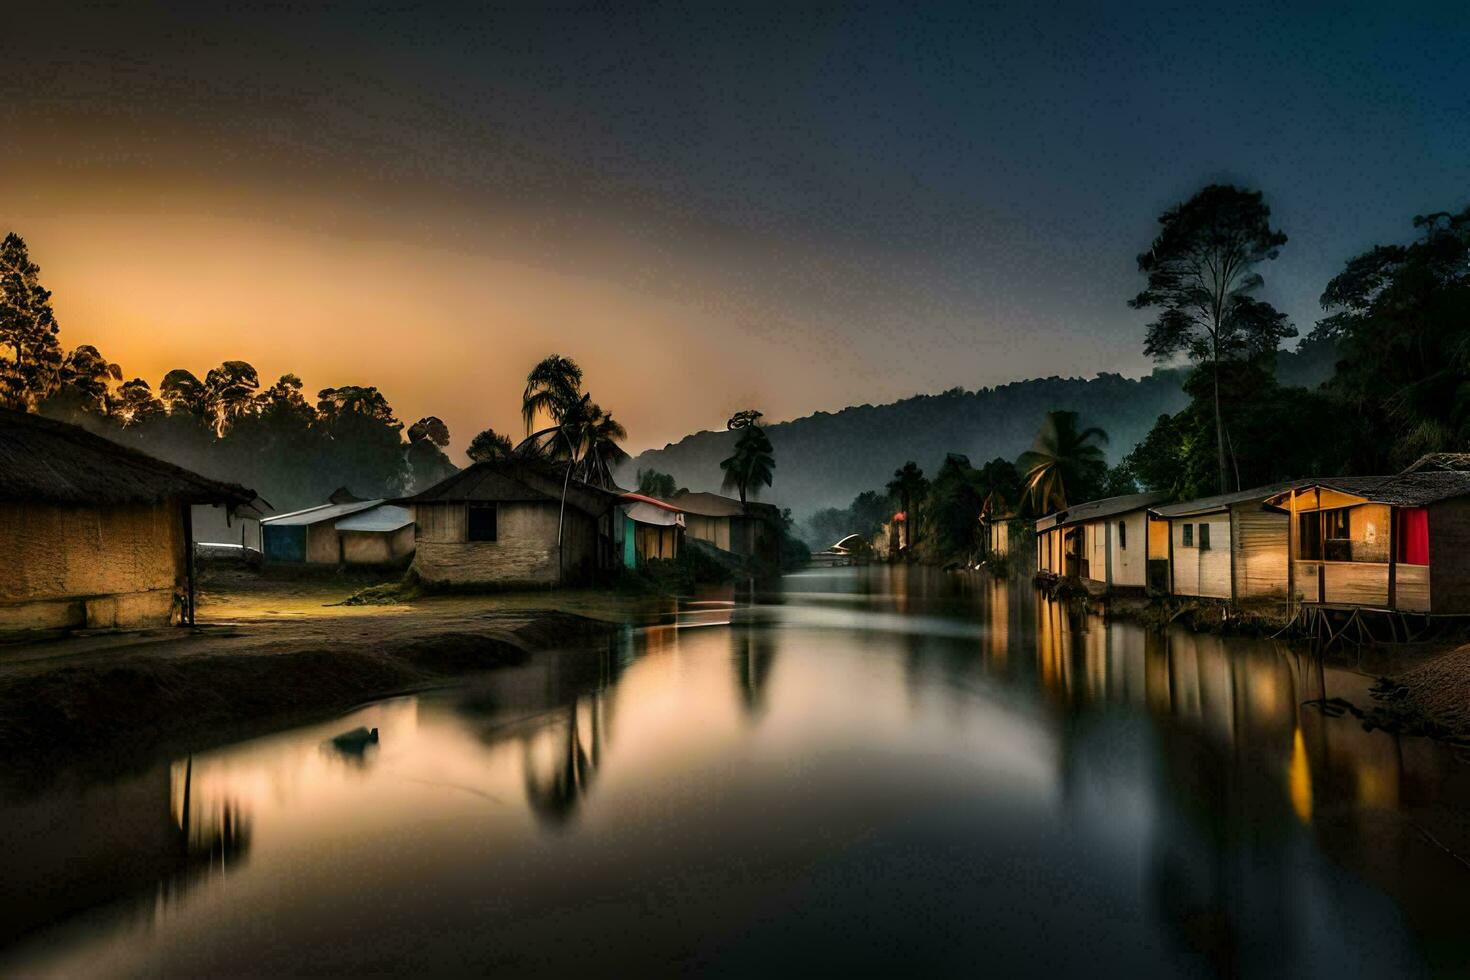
908,487
135,404
82,386
488,446
652,483
1201,272
427,461
29,350
1065,460
753,462
229,393
185,394
553,388
1400,316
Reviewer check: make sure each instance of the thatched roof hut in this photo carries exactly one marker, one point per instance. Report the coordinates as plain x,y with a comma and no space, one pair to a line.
97,534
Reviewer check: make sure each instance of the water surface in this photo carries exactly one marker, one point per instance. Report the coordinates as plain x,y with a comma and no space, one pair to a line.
894,771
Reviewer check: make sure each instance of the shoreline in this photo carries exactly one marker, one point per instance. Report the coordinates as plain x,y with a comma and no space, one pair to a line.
121,701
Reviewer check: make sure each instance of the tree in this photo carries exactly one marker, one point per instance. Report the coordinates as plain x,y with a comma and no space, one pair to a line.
1398,315
185,394
135,404
752,463
427,461
30,353
952,510
83,385
1201,272
598,440
229,392
553,387
908,486
1066,461
364,443
489,446
652,483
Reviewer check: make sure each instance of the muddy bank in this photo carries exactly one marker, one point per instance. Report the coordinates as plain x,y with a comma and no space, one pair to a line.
126,700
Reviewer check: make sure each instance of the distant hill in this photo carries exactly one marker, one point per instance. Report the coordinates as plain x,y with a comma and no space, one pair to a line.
825,459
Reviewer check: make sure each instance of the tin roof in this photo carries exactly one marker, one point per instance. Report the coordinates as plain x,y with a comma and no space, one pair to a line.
1095,510
319,513
384,517
1223,501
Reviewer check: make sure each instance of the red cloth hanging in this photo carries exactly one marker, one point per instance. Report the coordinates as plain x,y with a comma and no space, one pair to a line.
1412,534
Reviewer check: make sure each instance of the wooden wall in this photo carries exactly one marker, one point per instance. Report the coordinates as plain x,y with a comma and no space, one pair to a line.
1355,583
1259,537
108,566
1449,556
1197,571
715,530
1130,563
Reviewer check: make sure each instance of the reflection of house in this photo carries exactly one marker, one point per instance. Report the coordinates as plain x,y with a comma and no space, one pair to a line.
94,534
749,529
651,529
1230,546
343,531
1389,542
497,523
1103,541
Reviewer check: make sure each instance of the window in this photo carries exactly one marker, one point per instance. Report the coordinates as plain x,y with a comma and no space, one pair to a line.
480,522
1204,537
1309,537
1189,535
1122,535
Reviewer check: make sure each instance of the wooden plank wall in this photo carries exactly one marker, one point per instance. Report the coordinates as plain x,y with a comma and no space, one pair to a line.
1259,537
1449,556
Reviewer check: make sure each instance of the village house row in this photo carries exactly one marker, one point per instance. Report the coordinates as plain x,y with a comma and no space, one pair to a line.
1397,543
98,535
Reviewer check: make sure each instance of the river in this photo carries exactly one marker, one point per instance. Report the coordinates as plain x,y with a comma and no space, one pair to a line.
880,770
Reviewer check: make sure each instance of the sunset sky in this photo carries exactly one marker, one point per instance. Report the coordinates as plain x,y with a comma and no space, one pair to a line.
789,209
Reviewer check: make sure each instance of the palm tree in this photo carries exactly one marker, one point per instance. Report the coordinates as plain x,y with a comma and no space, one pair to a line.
553,387
908,484
601,453
1062,457
752,463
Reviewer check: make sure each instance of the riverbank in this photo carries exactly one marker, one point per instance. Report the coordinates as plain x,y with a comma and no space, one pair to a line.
265,658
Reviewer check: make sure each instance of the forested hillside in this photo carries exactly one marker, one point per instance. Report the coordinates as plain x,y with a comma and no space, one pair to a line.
825,459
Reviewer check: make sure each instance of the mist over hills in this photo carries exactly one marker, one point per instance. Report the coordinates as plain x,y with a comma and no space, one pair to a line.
825,459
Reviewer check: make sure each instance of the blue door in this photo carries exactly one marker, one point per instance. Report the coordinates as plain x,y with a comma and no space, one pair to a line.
284,542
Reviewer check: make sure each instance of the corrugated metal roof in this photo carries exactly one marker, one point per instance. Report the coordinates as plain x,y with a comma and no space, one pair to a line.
646,513
1223,501
319,513
1097,509
384,517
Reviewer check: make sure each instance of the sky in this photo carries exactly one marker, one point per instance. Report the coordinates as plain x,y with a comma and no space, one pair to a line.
788,207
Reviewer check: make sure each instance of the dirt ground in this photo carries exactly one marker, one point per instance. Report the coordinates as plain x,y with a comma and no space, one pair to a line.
267,653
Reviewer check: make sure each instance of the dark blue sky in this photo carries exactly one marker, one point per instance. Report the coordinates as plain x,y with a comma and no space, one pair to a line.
836,205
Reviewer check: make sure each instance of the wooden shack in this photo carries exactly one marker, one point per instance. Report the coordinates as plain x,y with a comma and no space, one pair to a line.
652,529
1381,542
1231,546
1102,542
998,533
95,534
343,531
496,523
742,529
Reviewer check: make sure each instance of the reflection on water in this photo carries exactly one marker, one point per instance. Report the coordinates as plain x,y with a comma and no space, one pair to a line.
874,770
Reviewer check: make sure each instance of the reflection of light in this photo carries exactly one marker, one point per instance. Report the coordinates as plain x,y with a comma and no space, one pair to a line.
1299,778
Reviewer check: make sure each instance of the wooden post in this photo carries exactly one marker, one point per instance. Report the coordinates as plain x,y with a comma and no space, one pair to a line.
188,614
1393,565
1293,548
